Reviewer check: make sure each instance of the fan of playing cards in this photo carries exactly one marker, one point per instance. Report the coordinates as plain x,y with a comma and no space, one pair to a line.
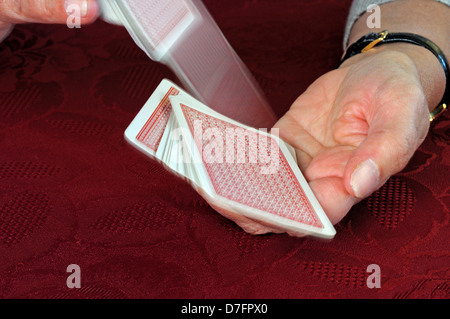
236,168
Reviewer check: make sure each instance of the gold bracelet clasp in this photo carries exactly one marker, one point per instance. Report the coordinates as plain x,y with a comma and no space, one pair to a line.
437,111
375,42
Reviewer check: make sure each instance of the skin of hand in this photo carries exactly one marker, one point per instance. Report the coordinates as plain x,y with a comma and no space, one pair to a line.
356,126
44,11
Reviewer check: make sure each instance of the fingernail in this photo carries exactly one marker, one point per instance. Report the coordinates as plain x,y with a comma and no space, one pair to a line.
81,5
365,179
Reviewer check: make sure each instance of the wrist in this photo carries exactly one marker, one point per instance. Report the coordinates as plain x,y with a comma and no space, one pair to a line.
431,73
429,70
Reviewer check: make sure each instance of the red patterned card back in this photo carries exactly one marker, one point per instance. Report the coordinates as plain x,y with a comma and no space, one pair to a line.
279,193
158,18
151,133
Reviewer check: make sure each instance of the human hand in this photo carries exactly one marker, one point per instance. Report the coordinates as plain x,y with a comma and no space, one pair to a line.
356,126
43,11
353,128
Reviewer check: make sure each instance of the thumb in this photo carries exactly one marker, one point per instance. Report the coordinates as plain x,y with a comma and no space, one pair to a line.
386,150
47,11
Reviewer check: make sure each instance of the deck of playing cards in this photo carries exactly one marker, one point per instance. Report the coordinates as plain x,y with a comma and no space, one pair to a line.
182,35
236,168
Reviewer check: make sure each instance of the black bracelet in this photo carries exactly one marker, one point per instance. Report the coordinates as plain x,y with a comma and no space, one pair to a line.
371,40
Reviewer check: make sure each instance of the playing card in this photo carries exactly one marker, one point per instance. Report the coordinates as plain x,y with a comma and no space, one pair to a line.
155,25
249,171
154,132
148,126
235,167
182,35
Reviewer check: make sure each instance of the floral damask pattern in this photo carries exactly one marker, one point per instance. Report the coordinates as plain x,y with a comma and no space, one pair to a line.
73,192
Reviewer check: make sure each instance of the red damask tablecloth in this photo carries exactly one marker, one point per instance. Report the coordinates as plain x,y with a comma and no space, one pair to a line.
73,192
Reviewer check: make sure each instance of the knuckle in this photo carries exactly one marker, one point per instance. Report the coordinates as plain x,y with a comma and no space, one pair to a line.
45,9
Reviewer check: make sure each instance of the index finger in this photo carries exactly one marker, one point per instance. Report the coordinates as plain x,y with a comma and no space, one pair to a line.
47,11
